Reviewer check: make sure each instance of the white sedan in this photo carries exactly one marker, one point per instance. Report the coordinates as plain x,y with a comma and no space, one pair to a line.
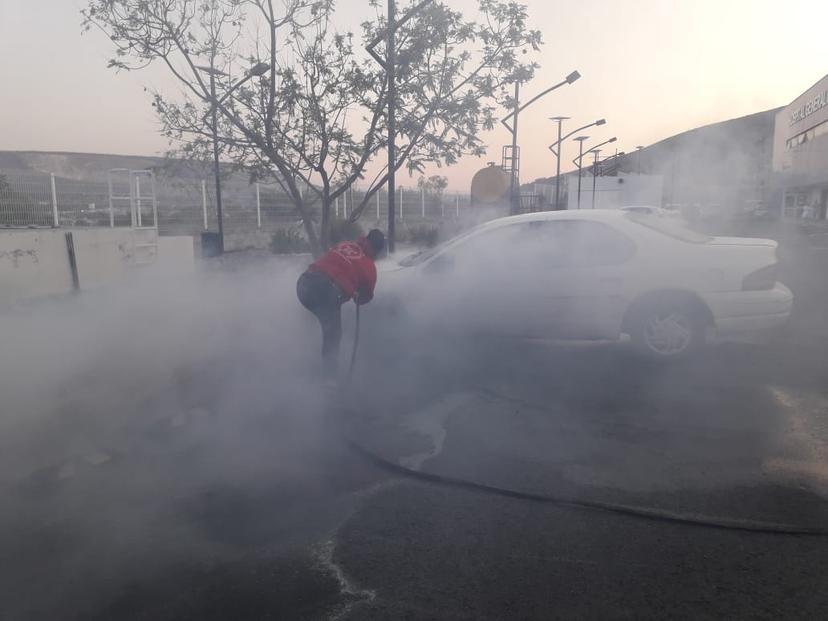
593,274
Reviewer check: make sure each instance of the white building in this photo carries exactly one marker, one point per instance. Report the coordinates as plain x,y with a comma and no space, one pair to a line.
800,153
614,192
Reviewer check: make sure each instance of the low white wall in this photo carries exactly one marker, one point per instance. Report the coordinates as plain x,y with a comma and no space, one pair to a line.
32,263
35,263
614,192
176,254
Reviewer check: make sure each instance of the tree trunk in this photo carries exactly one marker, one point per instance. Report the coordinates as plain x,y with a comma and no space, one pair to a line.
325,227
313,239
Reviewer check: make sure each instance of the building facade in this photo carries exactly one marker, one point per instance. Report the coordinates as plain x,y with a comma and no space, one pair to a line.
723,169
800,154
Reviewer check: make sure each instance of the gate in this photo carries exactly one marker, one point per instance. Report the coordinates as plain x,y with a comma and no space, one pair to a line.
126,188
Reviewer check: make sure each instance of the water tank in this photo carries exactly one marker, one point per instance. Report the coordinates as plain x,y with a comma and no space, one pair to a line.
490,185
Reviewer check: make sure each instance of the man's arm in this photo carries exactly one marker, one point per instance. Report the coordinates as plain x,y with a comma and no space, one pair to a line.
365,291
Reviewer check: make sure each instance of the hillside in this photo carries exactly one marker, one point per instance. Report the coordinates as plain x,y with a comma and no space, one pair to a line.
89,166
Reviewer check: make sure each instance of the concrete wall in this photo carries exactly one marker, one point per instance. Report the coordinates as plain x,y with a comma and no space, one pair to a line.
35,263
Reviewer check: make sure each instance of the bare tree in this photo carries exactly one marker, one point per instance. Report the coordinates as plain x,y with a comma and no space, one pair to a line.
300,103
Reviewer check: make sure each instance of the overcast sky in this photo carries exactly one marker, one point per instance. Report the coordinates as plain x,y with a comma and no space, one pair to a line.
651,67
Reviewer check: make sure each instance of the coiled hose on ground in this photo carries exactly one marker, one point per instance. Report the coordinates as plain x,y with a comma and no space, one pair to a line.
753,526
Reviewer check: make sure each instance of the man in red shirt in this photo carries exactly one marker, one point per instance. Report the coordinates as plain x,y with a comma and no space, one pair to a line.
344,272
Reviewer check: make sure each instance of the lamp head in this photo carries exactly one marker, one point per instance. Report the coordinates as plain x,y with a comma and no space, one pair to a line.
572,77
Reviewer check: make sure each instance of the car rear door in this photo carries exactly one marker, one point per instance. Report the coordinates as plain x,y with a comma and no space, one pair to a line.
571,278
595,281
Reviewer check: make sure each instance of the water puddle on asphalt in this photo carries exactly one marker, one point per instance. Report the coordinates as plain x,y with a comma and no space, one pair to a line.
351,593
323,555
431,422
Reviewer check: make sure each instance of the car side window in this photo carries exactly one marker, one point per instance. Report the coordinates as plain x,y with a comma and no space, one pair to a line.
525,246
567,243
548,244
596,244
493,247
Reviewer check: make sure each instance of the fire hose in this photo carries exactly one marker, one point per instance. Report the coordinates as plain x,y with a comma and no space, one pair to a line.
356,342
660,515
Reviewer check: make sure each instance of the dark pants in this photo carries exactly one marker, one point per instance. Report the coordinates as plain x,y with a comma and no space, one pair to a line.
323,298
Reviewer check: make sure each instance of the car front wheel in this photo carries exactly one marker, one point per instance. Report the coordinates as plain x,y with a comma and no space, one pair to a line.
668,329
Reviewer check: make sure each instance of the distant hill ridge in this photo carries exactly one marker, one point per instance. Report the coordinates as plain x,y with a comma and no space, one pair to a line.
90,166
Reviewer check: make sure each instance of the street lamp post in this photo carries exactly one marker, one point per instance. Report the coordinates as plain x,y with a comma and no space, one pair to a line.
257,70
594,172
580,140
557,146
559,120
597,146
389,63
216,166
515,158
212,72
638,150
595,149
513,129
391,76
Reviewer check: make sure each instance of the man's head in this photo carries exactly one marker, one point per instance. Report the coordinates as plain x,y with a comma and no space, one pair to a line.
376,242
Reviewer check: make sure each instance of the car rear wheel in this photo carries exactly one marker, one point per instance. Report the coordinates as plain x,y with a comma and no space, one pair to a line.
668,329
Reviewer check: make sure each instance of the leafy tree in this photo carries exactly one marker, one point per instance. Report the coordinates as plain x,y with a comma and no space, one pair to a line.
302,104
434,185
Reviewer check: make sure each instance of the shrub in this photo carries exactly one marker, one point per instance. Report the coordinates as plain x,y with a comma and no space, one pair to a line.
288,241
344,230
424,235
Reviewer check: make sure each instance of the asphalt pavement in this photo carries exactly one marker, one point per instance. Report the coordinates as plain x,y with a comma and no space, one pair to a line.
227,490
301,527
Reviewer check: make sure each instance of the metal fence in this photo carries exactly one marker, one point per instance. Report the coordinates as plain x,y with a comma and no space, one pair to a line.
187,206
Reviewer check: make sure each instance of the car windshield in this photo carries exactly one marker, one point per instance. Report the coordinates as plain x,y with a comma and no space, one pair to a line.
669,224
424,255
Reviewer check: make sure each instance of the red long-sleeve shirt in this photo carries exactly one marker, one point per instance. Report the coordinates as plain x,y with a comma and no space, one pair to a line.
350,265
